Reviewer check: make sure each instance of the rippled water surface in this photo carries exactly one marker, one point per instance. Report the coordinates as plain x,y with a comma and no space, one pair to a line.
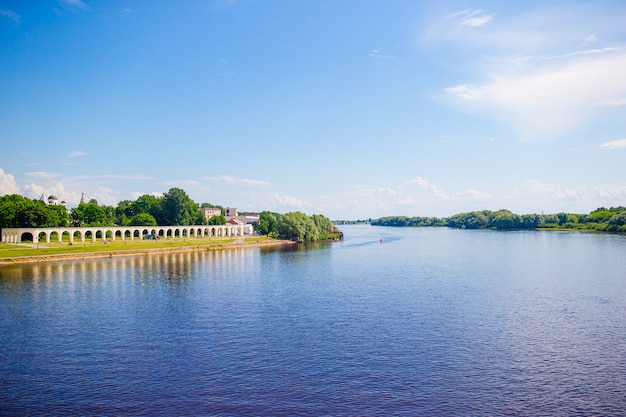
428,322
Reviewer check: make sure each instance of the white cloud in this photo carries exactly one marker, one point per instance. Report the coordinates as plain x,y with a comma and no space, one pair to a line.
69,188
34,190
577,193
9,14
612,192
7,184
528,71
611,102
289,201
74,3
584,52
473,18
76,154
42,175
115,177
378,56
426,187
473,195
228,179
537,190
591,38
614,144
549,99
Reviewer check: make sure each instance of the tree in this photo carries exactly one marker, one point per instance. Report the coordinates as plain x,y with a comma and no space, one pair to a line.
217,220
323,224
266,224
178,208
143,219
150,204
89,214
11,207
617,222
18,211
57,216
297,226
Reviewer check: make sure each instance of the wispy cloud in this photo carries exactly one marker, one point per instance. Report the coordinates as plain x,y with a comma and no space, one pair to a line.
117,177
9,14
473,195
540,191
74,3
377,55
611,102
586,52
243,182
290,201
547,100
614,144
535,71
615,193
417,196
76,154
472,18
43,176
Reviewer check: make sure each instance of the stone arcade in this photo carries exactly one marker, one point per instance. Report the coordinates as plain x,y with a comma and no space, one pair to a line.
45,234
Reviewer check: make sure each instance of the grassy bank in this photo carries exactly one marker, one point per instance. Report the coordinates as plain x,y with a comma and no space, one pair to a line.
14,253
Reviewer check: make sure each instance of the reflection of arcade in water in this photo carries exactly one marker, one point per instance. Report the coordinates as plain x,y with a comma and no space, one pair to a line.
117,272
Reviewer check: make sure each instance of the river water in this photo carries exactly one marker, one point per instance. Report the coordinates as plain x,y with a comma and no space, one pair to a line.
391,321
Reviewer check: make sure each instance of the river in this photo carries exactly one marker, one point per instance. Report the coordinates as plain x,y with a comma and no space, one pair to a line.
391,321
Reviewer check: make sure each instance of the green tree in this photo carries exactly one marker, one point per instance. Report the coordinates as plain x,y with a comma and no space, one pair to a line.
178,208
19,211
504,220
617,222
11,207
150,204
143,219
323,224
297,226
217,220
266,224
89,214
57,216
470,220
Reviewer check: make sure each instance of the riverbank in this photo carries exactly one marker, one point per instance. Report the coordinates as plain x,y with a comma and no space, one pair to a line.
115,253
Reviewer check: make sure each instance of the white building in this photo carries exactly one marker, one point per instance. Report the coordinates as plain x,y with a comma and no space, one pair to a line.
211,212
53,200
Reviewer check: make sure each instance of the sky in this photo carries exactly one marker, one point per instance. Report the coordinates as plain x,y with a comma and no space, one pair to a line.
354,109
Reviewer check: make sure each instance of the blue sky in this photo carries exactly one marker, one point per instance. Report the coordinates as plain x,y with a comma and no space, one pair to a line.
352,109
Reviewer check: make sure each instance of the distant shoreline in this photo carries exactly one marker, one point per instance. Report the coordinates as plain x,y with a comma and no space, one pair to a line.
36,259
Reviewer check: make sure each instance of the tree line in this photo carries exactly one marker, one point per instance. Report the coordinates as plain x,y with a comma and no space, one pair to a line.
174,207
602,219
297,226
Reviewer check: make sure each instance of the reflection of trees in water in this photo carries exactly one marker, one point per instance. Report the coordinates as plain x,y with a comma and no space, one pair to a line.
299,247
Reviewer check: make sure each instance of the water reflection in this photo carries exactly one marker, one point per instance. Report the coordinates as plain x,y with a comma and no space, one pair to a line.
172,266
